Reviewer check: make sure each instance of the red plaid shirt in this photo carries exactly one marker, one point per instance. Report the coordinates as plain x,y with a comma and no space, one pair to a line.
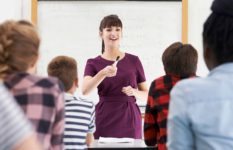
42,100
155,123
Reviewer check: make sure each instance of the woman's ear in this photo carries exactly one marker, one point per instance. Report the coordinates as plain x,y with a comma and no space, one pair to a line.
100,34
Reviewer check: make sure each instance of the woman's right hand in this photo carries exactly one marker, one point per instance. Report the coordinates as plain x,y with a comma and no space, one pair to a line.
110,71
89,82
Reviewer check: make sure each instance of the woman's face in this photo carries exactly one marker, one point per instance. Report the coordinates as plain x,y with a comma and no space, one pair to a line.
111,36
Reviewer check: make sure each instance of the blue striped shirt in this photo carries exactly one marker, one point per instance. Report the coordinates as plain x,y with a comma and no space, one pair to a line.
79,120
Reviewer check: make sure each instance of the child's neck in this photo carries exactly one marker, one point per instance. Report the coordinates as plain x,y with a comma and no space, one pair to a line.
72,89
70,92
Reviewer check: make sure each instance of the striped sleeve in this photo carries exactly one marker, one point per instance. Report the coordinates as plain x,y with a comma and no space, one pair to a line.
14,127
92,120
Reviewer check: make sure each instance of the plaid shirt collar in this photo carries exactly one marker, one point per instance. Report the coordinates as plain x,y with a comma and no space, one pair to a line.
23,79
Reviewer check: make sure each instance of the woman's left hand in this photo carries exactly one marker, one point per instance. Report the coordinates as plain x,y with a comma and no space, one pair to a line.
128,90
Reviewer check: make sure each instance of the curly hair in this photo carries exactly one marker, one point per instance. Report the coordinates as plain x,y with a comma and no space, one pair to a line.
218,31
19,45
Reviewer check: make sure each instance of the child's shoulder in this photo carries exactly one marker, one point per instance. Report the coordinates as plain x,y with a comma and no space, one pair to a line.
82,101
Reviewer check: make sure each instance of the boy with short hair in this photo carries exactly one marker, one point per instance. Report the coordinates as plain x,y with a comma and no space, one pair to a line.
79,114
180,62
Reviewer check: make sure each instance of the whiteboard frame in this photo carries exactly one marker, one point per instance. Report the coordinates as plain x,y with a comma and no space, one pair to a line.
34,16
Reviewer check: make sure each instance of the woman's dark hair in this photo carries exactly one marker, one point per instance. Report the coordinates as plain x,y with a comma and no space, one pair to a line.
180,59
218,31
107,22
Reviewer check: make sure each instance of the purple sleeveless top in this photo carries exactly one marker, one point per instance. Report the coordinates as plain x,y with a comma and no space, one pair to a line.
117,115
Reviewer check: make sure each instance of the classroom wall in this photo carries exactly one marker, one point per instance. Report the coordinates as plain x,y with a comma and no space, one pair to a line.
198,12
26,9
10,9
15,9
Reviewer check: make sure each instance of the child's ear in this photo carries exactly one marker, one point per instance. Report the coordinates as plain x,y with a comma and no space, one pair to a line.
33,66
76,82
34,63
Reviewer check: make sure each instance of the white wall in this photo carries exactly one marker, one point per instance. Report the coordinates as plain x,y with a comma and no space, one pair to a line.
15,9
26,9
10,9
198,12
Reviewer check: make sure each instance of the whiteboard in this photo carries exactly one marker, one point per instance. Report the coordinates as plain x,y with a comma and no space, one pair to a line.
72,28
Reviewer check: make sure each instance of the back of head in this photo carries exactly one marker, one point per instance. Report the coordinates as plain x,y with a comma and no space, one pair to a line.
19,45
218,31
180,59
65,69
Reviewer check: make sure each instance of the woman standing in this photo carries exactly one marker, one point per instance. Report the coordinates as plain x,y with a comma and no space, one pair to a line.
119,84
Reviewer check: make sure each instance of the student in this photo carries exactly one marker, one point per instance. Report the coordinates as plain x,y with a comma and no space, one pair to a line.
180,62
79,114
200,112
15,130
117,114
40,98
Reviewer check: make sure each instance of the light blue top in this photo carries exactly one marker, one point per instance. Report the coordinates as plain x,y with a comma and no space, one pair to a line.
201,112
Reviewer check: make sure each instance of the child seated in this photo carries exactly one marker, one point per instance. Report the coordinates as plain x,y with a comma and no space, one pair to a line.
79,114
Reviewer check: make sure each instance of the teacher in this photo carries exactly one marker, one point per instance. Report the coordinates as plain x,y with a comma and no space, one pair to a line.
117,114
